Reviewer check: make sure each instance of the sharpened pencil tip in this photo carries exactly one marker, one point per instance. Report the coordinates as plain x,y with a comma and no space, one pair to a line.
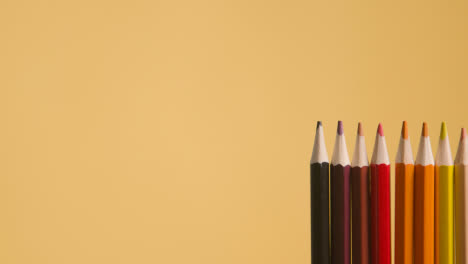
424,131
380,130
319,124
359,129
340,128
404,130
443,131
463,134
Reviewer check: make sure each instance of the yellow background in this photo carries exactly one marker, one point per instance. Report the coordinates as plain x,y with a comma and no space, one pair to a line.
181,131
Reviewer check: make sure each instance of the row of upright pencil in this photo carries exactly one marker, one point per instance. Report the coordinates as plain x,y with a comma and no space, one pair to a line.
431,201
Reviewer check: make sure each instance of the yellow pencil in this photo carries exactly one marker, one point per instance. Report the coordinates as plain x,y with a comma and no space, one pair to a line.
444,200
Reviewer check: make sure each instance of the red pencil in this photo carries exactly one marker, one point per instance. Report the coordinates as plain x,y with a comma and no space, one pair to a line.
380,201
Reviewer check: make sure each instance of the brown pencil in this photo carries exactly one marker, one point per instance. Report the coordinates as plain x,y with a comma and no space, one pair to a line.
461,200
360,200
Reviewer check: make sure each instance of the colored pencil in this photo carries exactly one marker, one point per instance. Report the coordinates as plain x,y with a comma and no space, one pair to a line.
404,184
444,200
340,200
319,186
380,201
424,201
461,200
360,200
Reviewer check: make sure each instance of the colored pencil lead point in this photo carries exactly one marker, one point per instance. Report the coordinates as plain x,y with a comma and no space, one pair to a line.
340,128
404,130
380,130
424,131
463,134
359,129
443,131
319,124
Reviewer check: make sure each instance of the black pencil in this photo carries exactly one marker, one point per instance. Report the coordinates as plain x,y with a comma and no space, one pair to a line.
319,199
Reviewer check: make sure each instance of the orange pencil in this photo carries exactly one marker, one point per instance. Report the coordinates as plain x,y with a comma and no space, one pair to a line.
424,202
404,177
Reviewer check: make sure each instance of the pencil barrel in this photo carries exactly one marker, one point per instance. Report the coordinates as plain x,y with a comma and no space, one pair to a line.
340,214
319,201
404,198
444,212
461,213
380,214
360,215
424,239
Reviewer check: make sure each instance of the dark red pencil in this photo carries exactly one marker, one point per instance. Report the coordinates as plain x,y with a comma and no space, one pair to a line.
380,201
340,201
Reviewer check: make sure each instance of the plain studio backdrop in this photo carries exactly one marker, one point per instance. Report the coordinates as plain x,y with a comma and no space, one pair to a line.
181,131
